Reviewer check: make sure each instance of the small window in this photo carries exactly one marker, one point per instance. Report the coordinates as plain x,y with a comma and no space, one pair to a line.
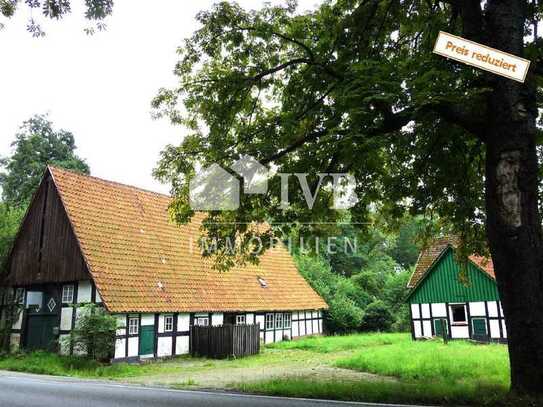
133,326
278,321
286,319
68,294
269,321
240,319
458,314
168,323
201,321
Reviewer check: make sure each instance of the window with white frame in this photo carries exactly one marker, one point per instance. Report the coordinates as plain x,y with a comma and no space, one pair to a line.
168,323
269,321
201,321
133,326
458,312
240,319
286,319
278,321
68,294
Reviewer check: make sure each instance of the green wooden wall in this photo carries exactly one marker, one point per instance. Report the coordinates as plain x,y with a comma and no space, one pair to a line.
442,284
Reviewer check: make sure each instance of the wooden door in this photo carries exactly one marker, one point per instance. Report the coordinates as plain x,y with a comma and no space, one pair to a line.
147,340
40,332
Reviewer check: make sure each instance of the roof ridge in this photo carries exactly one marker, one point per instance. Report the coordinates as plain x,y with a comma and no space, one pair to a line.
106,181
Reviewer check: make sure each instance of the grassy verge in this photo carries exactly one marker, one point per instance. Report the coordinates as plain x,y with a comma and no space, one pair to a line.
430,372
379,391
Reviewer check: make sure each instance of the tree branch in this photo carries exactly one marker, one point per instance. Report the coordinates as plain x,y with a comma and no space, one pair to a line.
278,68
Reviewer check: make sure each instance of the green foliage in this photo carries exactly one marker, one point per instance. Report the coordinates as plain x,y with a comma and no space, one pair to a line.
95,10
377,317
340,343
350,87
36,145
94,333
342,296
428,361
10,218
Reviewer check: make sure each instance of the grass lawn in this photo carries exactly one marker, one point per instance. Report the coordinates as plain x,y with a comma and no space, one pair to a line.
365,367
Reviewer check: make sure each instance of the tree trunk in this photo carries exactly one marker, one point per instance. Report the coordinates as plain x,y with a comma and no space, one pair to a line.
513,220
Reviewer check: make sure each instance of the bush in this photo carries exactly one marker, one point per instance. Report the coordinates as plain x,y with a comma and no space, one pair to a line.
343,315
94,333
377,317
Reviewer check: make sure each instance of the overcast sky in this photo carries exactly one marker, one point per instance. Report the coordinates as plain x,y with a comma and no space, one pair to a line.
100,87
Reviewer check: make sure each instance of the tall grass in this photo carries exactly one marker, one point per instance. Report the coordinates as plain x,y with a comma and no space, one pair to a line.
457,362
329,344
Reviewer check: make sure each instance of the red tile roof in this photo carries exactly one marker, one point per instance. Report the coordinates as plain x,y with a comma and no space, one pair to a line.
434,250
142,262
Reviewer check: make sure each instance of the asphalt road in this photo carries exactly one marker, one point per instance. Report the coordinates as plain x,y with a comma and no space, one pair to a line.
25,390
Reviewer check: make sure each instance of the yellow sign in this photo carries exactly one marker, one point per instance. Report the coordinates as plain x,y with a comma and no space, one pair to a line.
481,56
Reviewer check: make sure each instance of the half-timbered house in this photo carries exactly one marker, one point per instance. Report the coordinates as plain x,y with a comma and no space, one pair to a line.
466,304
85,240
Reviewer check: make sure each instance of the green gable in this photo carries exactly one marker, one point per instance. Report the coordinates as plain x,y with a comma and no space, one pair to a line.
441,283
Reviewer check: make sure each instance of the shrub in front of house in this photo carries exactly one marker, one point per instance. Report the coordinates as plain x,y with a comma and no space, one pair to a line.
94,333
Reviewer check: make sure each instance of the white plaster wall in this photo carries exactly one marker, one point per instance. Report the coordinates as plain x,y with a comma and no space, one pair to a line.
295,329
250,319
120,348
415,310
278,336
315,326
459,332
302,328
501,309
309,328
182,345
492,309
260,320
147,319
494,328
477,309
183,322
164,346
425,310
133,346
84,290
269,337
217,319
286,333
161,323
66,318
504,328
439,310
315,314
19,320
417,329
295,316
121,324
98,297
427,329
262,336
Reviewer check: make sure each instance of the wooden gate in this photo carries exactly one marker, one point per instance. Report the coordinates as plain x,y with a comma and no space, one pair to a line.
225,341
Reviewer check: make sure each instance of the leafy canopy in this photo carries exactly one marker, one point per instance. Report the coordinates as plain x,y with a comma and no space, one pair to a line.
95,11
36,145
350,87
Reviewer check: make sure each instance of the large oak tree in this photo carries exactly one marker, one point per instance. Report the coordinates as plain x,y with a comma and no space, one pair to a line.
354,87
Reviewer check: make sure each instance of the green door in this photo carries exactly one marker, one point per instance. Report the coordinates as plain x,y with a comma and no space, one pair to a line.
147,340
438,327
479,328
40,332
